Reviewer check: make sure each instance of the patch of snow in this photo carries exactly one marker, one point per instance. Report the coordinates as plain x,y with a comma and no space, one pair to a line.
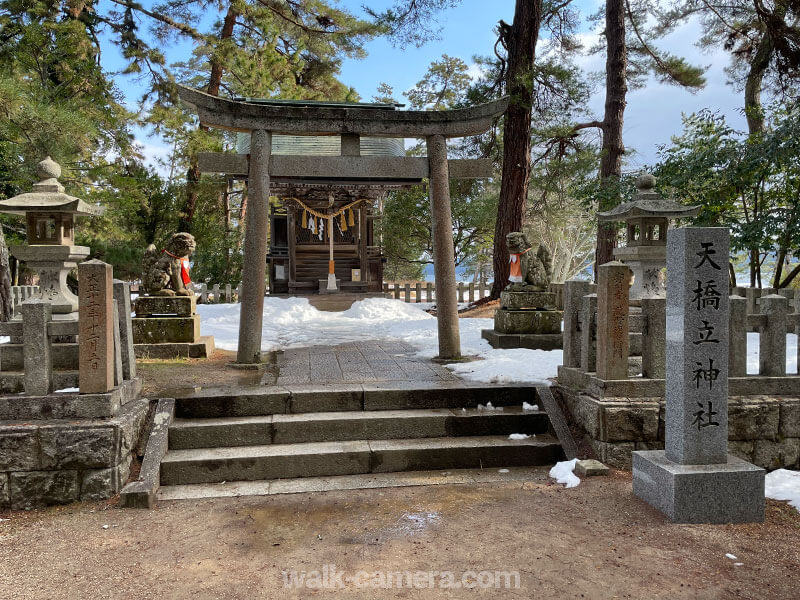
4,339
294,323
526,406
518,436
499,471
72,390
731,556
783,484
738,564
564,472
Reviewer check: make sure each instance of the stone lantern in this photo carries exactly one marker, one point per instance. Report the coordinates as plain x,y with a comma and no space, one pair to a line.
647,220
51,252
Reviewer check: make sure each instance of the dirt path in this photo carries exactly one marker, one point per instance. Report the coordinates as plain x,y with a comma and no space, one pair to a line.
593,541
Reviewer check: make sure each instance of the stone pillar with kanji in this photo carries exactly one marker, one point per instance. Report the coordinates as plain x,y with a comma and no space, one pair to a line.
695,480
96,355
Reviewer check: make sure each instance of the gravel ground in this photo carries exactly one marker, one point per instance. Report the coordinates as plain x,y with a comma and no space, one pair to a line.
593,541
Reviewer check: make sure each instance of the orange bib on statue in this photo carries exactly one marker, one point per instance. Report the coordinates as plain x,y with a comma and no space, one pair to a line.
515,268
184,268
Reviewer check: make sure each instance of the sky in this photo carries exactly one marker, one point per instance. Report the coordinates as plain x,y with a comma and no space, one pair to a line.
652,116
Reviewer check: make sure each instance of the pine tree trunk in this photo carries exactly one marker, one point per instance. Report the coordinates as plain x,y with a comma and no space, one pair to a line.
613,147
520,41
753,84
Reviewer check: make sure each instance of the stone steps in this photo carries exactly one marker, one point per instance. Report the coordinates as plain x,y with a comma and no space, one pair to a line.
316,459
261,434
344,426
390,395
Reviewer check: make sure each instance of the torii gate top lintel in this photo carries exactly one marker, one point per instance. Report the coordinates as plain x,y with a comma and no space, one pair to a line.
245,116
262,119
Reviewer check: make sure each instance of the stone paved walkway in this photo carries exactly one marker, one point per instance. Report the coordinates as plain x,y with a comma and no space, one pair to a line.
356,362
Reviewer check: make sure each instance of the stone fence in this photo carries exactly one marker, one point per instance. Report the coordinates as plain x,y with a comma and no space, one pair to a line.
21,293
753,296
218,294
38,360
613,373
415,291
74,432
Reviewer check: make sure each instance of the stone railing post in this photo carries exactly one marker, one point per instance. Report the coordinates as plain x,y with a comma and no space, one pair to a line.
471,292
588,351
737,333
429,292
574,291
772,338
752,294
36,354
396,290
122,296
203,294
613,345
216,294
228,293
407,293
654,338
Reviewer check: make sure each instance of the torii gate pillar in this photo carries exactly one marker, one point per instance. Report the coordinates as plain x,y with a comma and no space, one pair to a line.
254,270
444,263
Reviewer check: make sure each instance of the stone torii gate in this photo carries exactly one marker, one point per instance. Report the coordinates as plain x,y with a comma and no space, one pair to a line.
263,119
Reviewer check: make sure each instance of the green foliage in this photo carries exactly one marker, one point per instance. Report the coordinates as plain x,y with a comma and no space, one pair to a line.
748,183
407,234
219,235
739,27
411,22
54,97
644,57
406,226
444,85
141,209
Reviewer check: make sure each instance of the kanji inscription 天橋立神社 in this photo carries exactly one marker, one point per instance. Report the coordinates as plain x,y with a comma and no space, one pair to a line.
695,480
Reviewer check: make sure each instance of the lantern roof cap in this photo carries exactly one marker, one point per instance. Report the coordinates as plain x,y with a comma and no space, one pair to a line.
647,202
48,195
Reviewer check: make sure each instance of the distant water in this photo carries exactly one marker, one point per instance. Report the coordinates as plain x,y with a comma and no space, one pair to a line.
460,273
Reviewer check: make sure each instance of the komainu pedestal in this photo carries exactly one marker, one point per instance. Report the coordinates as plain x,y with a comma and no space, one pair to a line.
168,327
526,319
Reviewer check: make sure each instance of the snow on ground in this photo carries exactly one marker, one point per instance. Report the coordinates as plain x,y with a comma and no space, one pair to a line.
783,484
293,323
564,472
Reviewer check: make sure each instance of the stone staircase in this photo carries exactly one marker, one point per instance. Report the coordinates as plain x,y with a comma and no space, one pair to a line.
302,431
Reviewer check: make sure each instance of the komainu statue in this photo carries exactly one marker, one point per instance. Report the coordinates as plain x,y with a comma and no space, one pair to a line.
166,273
529,272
